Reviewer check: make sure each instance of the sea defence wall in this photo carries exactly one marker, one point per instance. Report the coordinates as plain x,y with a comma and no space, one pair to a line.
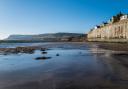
110,32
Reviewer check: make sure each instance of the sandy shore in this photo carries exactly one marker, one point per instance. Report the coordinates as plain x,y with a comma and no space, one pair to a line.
111,46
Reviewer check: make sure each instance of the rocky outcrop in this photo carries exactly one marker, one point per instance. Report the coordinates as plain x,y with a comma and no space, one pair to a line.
17,50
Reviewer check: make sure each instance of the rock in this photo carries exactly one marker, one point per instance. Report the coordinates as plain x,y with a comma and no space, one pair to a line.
57,54
80,52
42,58
44,52
17,50
43,49
25,49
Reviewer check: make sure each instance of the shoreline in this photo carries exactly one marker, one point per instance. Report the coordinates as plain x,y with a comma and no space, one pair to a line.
47,45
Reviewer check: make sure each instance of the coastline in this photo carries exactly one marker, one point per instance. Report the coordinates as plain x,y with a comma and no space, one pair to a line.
37,46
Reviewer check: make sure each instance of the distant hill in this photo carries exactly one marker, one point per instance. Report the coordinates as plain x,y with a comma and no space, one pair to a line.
20,37
49,37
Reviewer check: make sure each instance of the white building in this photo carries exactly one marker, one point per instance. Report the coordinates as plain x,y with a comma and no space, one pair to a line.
124,17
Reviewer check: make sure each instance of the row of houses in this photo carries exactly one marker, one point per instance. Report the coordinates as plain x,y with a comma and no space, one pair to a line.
116,29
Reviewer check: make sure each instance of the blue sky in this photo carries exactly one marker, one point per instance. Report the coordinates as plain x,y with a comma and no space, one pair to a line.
51,16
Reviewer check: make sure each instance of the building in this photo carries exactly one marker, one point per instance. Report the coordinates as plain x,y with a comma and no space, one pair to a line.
115,30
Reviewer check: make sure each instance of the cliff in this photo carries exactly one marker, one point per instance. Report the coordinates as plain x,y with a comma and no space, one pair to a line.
48,37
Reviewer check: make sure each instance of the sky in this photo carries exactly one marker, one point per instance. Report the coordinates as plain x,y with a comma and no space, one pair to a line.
51,16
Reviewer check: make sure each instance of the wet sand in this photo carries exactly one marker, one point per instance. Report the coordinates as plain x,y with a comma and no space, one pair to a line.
78,66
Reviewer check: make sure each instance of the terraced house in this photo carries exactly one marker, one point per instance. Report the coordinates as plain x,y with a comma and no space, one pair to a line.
115,30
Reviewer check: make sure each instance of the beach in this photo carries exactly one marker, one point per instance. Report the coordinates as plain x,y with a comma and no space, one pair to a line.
72,65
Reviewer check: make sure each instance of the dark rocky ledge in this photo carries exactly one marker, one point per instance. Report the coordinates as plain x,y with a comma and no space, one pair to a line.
17,50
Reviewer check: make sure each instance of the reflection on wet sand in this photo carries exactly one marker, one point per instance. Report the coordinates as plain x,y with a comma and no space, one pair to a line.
74,66
116,64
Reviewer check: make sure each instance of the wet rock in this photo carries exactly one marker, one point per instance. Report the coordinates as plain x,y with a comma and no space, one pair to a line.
25,49
17,50
7,51
44,52
42,58
57,54
43,49
5,54
80,52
